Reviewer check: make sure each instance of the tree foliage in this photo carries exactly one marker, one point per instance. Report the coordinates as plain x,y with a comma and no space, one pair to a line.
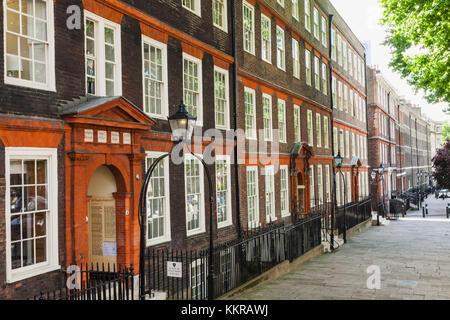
419,36
445,131
441,164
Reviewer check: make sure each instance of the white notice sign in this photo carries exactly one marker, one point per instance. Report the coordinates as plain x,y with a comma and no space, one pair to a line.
174,269
109,249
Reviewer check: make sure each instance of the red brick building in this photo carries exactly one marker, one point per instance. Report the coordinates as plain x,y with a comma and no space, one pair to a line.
283,104
349,112
78,129
384,133
87,88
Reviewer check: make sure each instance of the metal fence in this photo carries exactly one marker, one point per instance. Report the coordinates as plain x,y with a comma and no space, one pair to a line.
94,283
355,213
234,263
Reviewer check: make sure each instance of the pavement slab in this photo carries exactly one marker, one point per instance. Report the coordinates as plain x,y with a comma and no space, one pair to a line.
412,254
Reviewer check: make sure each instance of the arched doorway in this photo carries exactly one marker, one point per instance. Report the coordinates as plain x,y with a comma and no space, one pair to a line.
300,193
102,217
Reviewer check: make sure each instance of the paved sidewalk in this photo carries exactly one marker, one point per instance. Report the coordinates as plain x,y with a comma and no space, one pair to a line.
412,253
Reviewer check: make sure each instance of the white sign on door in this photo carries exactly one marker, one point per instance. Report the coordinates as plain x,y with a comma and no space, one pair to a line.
174,269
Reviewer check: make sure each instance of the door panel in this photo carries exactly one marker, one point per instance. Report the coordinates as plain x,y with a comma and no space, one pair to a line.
102,231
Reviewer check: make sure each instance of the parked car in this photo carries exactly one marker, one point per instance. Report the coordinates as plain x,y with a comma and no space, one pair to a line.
443,193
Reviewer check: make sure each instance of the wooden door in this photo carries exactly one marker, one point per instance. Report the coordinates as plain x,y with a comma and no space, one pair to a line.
102,231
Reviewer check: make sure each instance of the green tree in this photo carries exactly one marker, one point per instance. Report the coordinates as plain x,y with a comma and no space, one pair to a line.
419,36
445,131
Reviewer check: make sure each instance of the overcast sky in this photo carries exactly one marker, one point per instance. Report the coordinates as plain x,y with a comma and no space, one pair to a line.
362,17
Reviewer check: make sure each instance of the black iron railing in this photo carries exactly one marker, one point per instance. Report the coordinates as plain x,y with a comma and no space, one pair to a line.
235,262
94,283
355,213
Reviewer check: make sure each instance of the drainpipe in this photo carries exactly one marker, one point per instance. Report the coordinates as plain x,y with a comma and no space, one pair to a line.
367,117
333,210
235,102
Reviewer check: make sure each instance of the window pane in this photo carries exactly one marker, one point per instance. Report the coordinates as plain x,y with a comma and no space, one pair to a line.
41,250
13,21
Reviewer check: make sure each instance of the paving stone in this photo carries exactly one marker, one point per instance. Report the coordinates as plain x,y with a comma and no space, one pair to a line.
412,253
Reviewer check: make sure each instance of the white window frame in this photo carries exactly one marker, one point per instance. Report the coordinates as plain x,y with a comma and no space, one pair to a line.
333,44
333,91
353,144
201,228
297,133
269,174
349,187
308,15
201,265
340,97
326,142
251,133
285,213
197,7
312,191
310,129
324,31
268,137
167,234
319,129
316,73
267,58
339,49
347,143
327,183
335,140
282,138
100,78
227,104
316,23
255,223
52,263
252,40
281,3
228,221
308,70
324,79
351,105
295,10
320,183
344,55
295,58
50,84
190,58
345,98
281,51
165,95
224,26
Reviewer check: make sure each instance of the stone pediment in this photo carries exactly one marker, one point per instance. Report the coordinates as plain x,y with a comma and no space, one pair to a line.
106,111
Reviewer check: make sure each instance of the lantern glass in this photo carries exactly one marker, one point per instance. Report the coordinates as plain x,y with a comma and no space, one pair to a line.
182,124
338,160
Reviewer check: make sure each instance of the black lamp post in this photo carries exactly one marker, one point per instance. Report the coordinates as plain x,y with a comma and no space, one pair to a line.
182,126
338,160
379,171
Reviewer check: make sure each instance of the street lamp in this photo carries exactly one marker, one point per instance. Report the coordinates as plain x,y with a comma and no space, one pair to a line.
379,170
182,126
338,160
